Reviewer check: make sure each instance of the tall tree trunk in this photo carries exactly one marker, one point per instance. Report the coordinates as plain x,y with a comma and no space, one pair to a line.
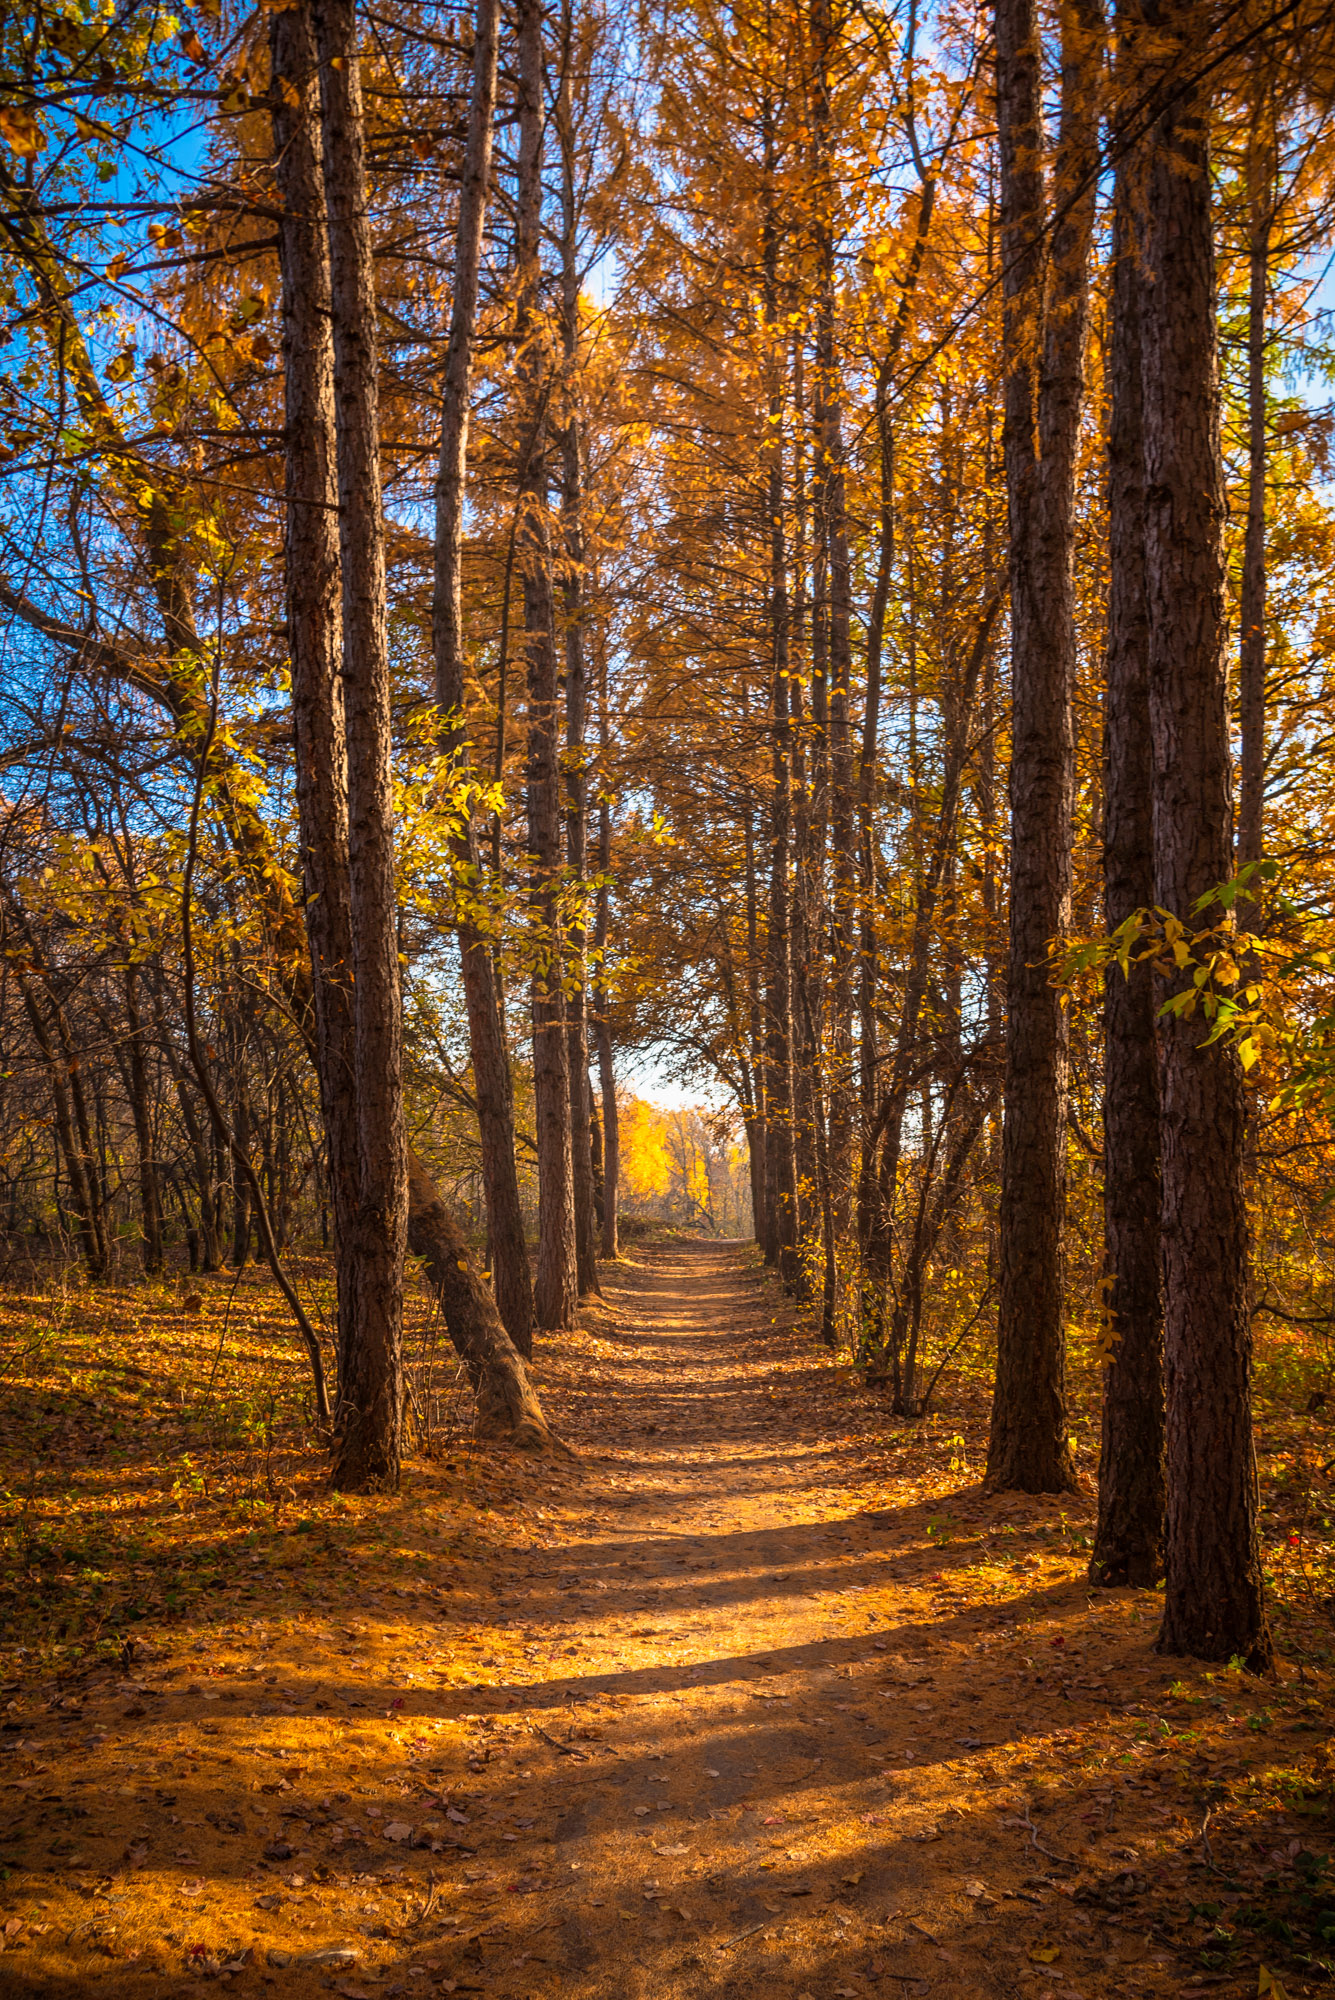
492,1085
1213,1605
556,1291
1252,605
755,1120
810,790
367,1448
868,953
576,765
831,508
780,1166
1128,1542
314,637
315,622
1044,351
607,1093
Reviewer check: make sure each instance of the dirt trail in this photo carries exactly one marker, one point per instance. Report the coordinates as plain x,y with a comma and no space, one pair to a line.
766,1703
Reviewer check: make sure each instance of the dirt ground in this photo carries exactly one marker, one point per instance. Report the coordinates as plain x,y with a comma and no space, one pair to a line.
754,1698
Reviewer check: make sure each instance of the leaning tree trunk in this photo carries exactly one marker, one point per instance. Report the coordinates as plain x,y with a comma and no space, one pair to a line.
492,1084
507,1407
1213,1603
1128,1542
556,1290
1044,347
368,1441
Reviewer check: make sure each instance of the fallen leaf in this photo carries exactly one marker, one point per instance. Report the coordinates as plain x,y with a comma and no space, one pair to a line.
1043,1954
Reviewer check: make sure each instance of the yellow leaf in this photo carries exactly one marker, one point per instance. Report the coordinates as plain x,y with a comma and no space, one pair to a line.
1043,1954
21,132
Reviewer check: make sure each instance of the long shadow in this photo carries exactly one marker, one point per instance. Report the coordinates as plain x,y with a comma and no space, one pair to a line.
745,1905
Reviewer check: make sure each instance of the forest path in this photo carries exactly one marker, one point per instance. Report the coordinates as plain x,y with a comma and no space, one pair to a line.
757,1698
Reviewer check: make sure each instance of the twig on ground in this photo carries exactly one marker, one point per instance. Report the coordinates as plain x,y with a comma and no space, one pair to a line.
1065,1859
1205,1842
564,1748
726,1944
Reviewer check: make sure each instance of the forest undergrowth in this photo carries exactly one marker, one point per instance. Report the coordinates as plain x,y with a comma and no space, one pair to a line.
758,1694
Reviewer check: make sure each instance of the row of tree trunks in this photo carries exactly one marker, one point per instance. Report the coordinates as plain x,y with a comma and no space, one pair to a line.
314,598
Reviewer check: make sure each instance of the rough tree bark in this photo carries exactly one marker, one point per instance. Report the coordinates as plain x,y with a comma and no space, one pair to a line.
781,1218
576,762
1044,312
492,1084
313,616
832,515
556,1289
1252,597
607,1092
1213,1604
1128,1541
507,1406
367,1446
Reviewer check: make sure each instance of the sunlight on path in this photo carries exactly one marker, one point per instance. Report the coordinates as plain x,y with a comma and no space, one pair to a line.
760,1702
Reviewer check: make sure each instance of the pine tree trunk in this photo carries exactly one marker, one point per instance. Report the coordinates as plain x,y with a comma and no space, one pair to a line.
556,1290
781,1221
1252,601
314,638
314,619
492,1085
831,508
573,593
607,1093
755,1124
1044,351
1128,1542
1213,1606
367,1449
